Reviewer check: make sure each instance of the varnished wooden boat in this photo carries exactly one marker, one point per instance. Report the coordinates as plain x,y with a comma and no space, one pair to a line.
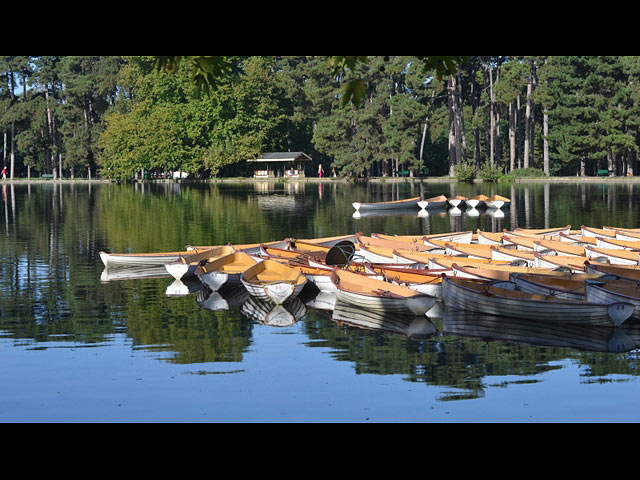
544,231
615,244
477,201
428,282
435,202
597,232
613,256
625,272
398,204
560,262
614,292
492,272
498,202
562,287
187,265
525,244
448,262
225,271
578,239
561,248
128,260
458,237
457,200
273,281
627,236
470,251
512,255
375,241
376,295
501,299
488,238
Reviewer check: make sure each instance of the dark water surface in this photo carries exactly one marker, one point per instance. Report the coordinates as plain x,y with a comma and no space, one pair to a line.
78,345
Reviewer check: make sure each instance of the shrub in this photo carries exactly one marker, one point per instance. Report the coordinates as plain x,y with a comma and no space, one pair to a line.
490,174
465,173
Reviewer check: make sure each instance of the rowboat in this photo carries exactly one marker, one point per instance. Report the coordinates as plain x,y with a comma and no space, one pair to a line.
428,282
187,265
615,257
525,244
597,232
562,287
435,202
560,262
398,204
622,272
561,248
116,260
449,262
273,281
491,272
502,300
477,201
376,295
327,241
497,202
578,239
225,270
544,231
615,292
459,237
511,255
376,241
470,251
627,236
487,238
457,201
615,244
620,229
249,248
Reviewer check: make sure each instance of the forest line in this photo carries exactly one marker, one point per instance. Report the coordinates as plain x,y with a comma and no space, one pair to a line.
121,116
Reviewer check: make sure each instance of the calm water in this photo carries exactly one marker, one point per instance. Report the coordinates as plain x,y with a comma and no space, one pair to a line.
78,344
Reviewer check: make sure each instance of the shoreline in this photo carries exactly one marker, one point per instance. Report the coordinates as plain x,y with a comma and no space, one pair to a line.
418,180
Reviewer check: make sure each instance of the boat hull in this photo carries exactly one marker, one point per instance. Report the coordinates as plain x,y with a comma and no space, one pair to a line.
561,312
600,294
277,293
374,207
418,305
132,260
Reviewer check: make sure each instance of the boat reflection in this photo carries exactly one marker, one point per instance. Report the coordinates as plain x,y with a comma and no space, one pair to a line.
182,288
578,337
223,299
410,327
111,274
272,315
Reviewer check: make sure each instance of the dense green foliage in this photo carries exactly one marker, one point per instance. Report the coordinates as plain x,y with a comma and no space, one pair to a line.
122,117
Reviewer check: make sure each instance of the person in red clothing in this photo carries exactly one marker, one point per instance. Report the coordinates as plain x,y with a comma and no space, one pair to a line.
320,171
4,173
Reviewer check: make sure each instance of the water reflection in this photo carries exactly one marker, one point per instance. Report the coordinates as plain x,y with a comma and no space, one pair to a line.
53,285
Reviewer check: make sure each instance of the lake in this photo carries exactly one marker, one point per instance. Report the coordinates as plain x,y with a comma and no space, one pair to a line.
78,344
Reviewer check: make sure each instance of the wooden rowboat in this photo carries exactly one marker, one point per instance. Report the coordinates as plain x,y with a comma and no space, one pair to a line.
225,271
273,281
428,282
614,292
497,202
488,238
492,272
457,201
568,288
187,265
435,202
624,272
613,256
544,232
375,241
459,237
560,262
501,299
398,204
115,260
561,248
597,232
615,244
376,295
627,236
477,201
512,255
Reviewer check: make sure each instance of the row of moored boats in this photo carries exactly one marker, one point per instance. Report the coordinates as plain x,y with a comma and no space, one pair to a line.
495,202
589,276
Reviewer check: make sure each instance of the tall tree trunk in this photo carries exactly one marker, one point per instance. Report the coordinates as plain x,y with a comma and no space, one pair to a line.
477,152
527,124
546,142
512,135
492,120
453,158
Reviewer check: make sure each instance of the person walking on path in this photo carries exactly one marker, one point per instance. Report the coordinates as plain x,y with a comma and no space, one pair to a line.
4,173
320,171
